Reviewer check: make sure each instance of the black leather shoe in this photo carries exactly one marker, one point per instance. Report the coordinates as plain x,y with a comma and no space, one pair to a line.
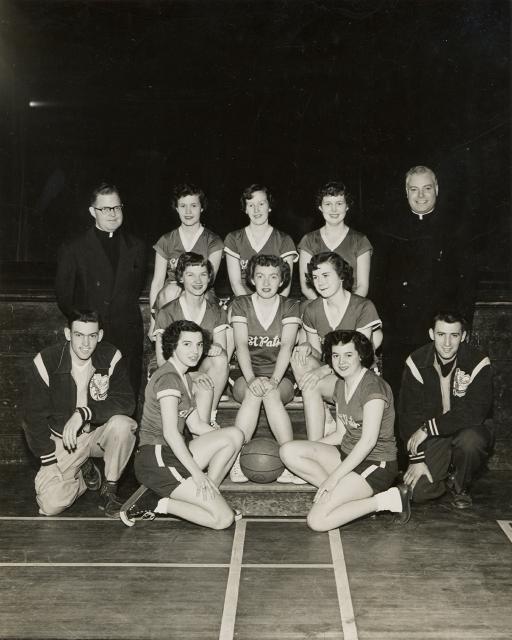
405,495
91,475
462,500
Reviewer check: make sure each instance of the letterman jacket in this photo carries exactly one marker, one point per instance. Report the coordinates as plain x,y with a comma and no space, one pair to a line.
421,401
51,395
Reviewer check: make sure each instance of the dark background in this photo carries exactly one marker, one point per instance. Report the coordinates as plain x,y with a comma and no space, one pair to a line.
225,93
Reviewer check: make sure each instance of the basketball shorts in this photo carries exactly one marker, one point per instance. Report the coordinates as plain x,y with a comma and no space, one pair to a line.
157,468
379,474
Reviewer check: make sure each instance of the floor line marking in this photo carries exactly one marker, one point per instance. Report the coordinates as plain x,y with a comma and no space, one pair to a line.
342,586
105,519
227,627
165,565
506,526
288,566
185,565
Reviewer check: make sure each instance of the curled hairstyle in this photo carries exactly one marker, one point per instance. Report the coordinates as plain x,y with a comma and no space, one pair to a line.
103,189
261,260
84,315
171,336
191,259
183,190
342,268
333,189
362,345
249,191
450,316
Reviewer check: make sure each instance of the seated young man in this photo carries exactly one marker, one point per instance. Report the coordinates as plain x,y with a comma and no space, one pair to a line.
446,395
79,400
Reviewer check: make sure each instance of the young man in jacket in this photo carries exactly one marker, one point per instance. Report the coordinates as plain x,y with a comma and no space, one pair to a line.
446,395
79,400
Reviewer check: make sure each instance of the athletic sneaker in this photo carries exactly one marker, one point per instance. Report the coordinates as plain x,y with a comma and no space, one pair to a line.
91,475
287,477
109,502
236,474
140,505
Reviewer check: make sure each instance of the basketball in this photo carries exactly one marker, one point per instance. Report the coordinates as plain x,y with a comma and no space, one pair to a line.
260,460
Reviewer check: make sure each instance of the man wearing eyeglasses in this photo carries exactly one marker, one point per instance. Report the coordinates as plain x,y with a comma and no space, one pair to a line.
104,269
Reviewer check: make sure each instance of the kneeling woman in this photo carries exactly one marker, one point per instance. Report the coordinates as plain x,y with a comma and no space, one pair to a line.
355,466
170,463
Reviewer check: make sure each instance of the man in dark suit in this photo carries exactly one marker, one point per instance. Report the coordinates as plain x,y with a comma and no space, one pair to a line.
104,269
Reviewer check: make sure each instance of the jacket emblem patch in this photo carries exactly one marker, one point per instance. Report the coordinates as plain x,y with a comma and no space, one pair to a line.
98,386
461,381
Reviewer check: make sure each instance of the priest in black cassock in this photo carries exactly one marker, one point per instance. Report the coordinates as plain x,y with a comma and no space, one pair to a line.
103,270
424,262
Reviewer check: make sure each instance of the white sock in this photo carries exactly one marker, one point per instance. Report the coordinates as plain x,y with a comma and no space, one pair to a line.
213,415
389,500
162,506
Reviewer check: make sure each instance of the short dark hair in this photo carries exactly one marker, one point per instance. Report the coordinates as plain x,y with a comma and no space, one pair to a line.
191,259
171,336
450,316
333,189
342,268
84,315
249,191
103,189
188,189
362,345
263,260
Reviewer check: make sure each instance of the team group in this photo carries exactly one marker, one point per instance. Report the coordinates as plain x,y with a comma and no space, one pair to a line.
263,346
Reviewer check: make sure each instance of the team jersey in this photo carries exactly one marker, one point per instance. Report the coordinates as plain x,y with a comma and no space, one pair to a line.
359,315
239,245
353,245
166,381
212,317
350,412
171,245
264,339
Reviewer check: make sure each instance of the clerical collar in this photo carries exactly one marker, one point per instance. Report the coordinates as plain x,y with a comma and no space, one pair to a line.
103,234
446,367
422,215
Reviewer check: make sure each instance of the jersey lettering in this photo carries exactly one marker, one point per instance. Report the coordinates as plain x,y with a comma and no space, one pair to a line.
264,341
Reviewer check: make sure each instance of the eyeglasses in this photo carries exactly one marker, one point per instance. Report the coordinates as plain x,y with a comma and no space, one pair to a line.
107,210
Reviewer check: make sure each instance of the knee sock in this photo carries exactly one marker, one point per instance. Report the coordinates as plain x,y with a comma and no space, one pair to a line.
162,506
389,500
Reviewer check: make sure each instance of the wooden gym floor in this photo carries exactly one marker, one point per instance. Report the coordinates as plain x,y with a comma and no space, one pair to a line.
446,575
